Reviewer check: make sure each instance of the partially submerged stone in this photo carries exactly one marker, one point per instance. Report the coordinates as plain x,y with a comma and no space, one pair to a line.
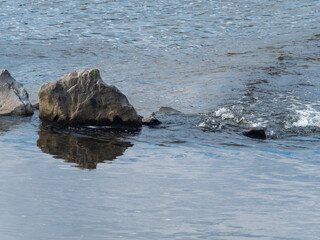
82,98
167,111
151,121
14,99
258,133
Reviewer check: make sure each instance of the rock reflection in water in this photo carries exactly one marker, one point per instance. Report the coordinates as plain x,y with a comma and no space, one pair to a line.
86,151
9,122
5,125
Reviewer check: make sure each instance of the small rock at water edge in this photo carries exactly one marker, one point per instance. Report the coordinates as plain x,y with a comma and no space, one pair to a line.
35,106
151,121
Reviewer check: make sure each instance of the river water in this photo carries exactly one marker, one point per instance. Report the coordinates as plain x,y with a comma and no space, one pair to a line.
226,65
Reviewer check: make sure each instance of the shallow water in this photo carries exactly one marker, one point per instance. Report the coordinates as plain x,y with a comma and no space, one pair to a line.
226,65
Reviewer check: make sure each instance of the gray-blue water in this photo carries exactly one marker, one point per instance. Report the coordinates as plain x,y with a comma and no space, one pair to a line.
226,65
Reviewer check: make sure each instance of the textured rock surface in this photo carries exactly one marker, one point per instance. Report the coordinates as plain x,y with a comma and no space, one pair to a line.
14,99
82,98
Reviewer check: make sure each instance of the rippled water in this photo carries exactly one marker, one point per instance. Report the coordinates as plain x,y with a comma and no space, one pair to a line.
226,65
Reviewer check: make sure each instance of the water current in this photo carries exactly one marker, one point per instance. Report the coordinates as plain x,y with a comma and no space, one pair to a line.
225,65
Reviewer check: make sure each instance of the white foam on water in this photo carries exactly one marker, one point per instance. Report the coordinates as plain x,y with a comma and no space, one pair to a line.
258,123
207,123
308,117
224,113
202,124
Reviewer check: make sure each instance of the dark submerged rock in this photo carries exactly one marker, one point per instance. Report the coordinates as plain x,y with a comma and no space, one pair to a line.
82,98
258,133
14,99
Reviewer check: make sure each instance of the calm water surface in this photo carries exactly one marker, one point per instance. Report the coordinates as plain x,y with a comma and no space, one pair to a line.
226,65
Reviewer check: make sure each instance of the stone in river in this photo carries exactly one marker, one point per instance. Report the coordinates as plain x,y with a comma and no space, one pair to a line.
35,106
167,110
151,121
82,98
14,99
258,133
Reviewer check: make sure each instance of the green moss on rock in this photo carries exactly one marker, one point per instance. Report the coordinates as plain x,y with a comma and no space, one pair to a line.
95,74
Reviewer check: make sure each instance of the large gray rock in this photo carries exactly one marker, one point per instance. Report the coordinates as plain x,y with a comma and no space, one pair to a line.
82,98
14,99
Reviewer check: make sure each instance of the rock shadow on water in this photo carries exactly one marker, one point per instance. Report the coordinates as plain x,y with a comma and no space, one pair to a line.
86,148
